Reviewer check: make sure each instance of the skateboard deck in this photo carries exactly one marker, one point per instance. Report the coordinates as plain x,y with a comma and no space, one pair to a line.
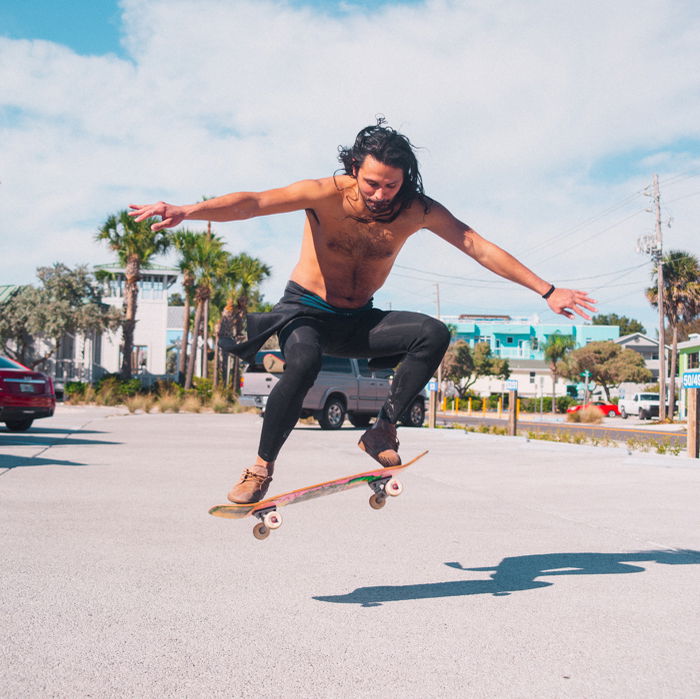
380,480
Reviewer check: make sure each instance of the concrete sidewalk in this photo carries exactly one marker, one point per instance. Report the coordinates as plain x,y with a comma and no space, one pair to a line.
507,568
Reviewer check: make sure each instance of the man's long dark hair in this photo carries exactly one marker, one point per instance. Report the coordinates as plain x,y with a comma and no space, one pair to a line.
395,150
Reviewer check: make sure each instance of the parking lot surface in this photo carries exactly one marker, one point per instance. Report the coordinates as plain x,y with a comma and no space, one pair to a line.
507,568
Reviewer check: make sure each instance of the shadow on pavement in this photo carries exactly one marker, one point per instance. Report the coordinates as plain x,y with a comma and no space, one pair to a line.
515,574
11,462
50,430
15,439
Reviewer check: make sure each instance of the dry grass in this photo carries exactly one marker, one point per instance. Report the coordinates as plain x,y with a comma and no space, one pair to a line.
589,415
191,404
169,403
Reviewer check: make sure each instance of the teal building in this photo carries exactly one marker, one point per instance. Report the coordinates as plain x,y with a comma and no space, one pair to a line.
523,338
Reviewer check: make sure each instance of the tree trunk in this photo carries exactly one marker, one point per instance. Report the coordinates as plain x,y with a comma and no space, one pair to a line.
217,354
131,292
554,390
182,363
205,340
192,359
672,380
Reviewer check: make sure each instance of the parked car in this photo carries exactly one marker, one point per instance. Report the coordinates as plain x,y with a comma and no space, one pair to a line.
608,409
25,395
344,387
643,405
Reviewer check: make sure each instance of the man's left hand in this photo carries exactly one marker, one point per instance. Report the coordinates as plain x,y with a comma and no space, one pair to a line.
566,302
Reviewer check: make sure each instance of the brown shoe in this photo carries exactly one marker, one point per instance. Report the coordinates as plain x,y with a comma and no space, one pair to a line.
381,443
251,488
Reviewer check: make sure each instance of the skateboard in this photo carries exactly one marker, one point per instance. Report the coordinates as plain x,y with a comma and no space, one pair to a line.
380,480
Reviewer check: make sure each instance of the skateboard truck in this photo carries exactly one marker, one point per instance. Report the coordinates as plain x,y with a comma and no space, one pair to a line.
383,487
269,518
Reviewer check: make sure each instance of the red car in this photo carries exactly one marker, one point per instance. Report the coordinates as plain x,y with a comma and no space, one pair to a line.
608,409
25,395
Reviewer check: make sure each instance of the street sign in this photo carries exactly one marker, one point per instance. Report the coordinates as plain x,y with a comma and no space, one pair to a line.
511,385
691,379
433,385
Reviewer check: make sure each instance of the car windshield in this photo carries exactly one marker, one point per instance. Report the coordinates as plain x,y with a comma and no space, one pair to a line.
649,396
6,363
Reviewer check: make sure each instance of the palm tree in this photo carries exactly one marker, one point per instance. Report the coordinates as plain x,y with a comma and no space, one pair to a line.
556,350
135,244
243,275
208,265
681,291
185,242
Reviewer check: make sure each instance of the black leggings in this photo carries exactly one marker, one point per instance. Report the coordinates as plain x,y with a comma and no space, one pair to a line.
420,339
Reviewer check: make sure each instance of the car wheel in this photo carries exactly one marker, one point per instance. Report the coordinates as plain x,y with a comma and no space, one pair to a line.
19,425
642,414
415,415
333,414
359,419
623,413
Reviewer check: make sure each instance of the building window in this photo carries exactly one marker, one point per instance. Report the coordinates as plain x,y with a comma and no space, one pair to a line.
139,358
509,340
532,377
694,360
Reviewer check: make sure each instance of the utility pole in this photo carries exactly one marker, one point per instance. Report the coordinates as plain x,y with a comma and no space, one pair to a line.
653,246
437,303
434,399
660,297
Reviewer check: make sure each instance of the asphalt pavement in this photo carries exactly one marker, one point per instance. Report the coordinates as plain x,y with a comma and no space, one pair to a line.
507,568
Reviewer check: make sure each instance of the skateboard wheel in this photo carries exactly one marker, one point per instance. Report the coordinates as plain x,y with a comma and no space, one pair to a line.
272,520
377,501
393,488
260,531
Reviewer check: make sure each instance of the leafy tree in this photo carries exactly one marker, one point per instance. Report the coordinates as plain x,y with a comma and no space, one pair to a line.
241,278
608,363
681,274
67,302
627,325
208,260
463,365
136,245
185,242
556,349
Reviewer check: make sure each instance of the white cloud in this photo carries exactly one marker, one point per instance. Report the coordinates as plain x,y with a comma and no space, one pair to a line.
516,105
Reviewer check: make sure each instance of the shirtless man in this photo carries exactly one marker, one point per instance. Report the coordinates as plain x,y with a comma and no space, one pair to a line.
356,224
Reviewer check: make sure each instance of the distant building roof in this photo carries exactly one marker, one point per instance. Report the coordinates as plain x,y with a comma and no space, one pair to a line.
7,291
116,267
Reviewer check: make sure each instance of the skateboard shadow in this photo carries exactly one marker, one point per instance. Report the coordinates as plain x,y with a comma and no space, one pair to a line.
516,574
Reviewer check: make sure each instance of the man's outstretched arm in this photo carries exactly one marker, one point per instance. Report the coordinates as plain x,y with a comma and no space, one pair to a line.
236,206
563,301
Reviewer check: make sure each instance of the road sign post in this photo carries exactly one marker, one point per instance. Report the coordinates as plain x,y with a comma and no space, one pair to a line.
432,406
691,383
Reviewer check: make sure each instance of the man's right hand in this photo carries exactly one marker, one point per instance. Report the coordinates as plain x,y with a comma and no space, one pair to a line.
170,215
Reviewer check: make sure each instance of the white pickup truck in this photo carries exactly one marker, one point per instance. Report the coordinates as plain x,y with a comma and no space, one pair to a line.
643,405
344,387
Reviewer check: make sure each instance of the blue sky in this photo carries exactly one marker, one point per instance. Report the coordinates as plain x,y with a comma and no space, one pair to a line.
94,27
541,125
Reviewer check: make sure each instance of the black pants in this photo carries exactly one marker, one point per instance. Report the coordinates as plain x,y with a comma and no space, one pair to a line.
372,333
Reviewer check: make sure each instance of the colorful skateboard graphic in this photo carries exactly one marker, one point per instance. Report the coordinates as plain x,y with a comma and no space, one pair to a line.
380,480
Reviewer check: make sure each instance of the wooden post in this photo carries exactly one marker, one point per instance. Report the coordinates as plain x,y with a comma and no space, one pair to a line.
693,398
432,410
512,413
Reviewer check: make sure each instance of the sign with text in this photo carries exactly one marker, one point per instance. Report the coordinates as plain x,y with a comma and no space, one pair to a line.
433,385
511,385
691,379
